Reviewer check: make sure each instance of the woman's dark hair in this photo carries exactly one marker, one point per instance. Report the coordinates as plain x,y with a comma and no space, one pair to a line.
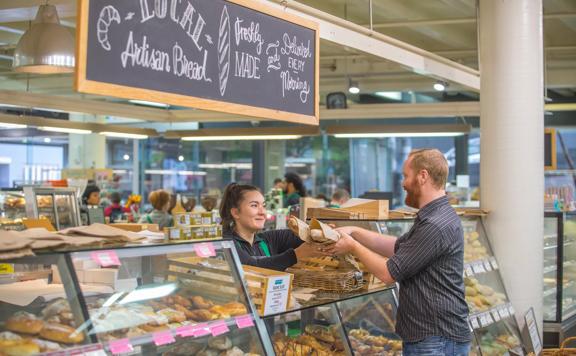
89,190
232,197
297,182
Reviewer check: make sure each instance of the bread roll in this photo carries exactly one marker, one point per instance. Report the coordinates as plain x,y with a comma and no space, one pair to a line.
25,323
61,333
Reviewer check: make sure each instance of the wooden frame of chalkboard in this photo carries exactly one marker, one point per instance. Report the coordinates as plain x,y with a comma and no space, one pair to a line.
550,163
86,85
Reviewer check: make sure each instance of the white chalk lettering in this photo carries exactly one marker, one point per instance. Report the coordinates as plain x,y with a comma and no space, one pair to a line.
250,34
184,67
273,56
247,66
173,7
143,56
145,11
291,47
290,83
160,8
296,64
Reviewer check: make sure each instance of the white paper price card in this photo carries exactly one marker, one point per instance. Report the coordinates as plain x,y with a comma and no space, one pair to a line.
468,271
496,315
493,262
488,266
478,268
511,309
474,322
503,313
489,319
483,320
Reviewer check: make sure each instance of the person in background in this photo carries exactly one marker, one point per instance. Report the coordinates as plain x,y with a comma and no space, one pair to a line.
160,200
339,198
293,188
428,262
243,214
91,196
278,184
114,211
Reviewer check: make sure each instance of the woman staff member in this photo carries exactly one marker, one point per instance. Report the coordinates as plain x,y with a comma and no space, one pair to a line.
243,214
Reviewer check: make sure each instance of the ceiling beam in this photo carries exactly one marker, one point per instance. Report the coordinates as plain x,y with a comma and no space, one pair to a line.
70,104
346,33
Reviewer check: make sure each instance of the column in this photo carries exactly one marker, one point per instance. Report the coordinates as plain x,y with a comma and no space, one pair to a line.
512,134
274,155
87,151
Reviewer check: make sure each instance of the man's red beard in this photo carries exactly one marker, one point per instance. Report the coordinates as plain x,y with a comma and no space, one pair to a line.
412,195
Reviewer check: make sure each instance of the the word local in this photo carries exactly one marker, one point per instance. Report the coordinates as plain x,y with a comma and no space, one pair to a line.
189,19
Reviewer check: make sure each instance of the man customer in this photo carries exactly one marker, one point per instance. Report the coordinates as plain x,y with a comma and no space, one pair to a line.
427,262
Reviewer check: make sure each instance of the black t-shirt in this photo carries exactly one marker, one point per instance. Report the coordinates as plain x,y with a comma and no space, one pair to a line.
281,244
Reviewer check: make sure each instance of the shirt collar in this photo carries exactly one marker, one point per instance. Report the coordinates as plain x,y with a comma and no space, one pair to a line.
433,205
236,237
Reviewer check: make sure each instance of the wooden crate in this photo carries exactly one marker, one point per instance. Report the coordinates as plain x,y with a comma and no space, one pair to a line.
261,282
369,210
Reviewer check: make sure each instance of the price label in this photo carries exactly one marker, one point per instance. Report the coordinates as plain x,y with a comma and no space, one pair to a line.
6,268
495,315
121,346
205,249
244,321
106,258
474,322
219,328
201,330
478,268
489,319
163,338
488,266
483,320
493,262
504,312
468,271
185,331
511,309
226,244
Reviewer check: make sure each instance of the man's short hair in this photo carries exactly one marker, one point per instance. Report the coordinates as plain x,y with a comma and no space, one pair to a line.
433,161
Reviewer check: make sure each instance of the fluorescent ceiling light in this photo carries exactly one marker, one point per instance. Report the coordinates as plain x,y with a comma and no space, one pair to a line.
124,135
149,103
47,140
399,134
12,126
180,158
393,95
241,138
166,172
64,130
225,165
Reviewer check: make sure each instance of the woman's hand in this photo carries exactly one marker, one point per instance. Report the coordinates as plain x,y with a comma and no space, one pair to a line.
345,245
307,250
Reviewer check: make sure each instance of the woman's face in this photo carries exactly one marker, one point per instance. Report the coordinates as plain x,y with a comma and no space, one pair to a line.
93,198
251,212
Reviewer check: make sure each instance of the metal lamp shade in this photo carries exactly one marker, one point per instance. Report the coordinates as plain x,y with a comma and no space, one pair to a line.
47,47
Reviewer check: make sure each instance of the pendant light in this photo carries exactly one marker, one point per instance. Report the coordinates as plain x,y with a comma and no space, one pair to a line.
46,47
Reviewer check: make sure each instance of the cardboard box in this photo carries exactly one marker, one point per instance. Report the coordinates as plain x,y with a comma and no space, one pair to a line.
269,290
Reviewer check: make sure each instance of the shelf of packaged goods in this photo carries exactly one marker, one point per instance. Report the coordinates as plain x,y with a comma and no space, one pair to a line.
484,265
185,333
490,316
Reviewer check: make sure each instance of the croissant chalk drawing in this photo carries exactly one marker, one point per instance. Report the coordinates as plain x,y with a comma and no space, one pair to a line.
108,15
224,50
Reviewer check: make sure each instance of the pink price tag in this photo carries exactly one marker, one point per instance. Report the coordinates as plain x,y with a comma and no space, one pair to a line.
185,331
106,258
244,321
205,249
201,330
121,346
219,328
163,338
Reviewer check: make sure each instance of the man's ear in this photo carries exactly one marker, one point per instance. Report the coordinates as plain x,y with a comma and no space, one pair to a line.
423,176
235,213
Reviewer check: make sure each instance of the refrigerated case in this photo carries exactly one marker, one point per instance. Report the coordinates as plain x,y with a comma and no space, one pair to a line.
559,277
133,300
58,205
12,209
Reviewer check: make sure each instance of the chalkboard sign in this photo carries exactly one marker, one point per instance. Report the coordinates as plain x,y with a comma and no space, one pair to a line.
549,149
233,56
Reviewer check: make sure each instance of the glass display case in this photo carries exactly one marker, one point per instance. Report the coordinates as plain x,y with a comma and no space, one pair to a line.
58,205
12,209
133,300
559,276
361,325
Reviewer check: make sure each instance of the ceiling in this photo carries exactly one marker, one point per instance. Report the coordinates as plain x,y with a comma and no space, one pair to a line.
444,27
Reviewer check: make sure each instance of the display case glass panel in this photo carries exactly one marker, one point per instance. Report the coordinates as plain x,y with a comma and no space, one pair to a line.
12,209
569,267
498,339
369,322
550,269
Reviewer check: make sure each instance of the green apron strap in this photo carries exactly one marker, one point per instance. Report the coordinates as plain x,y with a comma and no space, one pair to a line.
264,247
149,218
